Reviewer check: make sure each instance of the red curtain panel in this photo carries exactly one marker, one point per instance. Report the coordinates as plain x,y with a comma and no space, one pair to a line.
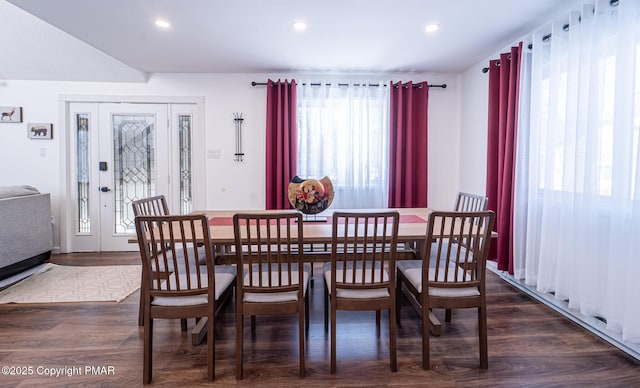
504,81
281,140
408,145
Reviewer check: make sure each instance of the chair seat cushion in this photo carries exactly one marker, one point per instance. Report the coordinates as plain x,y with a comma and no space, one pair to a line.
412,270
273,297
224,274
349,293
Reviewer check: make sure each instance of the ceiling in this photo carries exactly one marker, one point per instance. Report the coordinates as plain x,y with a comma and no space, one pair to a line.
256,36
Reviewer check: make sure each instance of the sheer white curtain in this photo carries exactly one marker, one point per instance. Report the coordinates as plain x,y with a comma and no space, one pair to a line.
577,216
343,133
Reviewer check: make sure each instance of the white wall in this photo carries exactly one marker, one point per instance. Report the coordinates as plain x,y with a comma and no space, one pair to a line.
229,185
473,129
444,144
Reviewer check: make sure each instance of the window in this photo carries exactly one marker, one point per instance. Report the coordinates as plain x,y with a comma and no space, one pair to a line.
582,144
343,133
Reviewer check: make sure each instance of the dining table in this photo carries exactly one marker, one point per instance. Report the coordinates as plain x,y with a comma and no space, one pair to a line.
316,232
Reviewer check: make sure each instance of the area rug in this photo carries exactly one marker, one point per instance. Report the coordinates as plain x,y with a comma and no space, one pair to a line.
62,283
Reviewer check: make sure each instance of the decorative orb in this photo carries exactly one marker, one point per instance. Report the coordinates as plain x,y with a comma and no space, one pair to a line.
310,196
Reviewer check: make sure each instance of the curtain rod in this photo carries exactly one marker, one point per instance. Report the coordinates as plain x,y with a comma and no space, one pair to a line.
546,38
443,86
485,69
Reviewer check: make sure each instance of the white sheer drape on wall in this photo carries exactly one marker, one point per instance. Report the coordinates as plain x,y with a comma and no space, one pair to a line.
343,133
577,213
521,184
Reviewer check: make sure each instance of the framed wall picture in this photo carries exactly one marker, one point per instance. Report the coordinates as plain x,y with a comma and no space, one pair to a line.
39,131
10,114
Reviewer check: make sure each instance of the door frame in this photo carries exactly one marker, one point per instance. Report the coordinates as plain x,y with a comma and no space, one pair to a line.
66,208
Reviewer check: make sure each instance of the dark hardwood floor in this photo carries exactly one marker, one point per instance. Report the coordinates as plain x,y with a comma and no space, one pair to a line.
529,345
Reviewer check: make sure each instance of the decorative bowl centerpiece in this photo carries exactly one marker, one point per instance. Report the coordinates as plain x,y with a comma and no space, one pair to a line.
310,196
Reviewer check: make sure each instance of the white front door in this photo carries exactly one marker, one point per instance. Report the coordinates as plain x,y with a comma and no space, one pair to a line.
125,152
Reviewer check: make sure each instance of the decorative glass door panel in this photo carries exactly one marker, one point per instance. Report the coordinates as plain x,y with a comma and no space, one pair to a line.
135,149
83,219
184,134
182,163
134,166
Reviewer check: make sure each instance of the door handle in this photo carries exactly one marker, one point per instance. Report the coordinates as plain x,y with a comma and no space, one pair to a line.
105,189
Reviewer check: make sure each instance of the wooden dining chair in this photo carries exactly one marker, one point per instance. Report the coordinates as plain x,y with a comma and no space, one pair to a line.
360,276
274,279
466,202
151,206
189,289
451,274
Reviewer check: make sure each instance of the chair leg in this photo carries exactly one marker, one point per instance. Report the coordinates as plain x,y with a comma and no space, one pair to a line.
183,324
398,295
326,309
239,345
301,336
333,341
482,329
253,324
306,311
378,319
148,351
426,363
141,311
211,350
447,315
311,276
392,339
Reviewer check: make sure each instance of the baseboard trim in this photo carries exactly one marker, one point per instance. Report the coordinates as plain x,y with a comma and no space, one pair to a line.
592,324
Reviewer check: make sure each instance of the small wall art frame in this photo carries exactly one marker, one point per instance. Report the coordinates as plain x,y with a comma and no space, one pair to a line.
10,114
39,131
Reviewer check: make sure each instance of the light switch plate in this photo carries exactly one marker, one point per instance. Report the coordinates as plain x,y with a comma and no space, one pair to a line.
214,154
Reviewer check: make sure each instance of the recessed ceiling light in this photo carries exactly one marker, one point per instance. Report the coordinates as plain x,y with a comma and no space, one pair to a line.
162,23
299,25
432,27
